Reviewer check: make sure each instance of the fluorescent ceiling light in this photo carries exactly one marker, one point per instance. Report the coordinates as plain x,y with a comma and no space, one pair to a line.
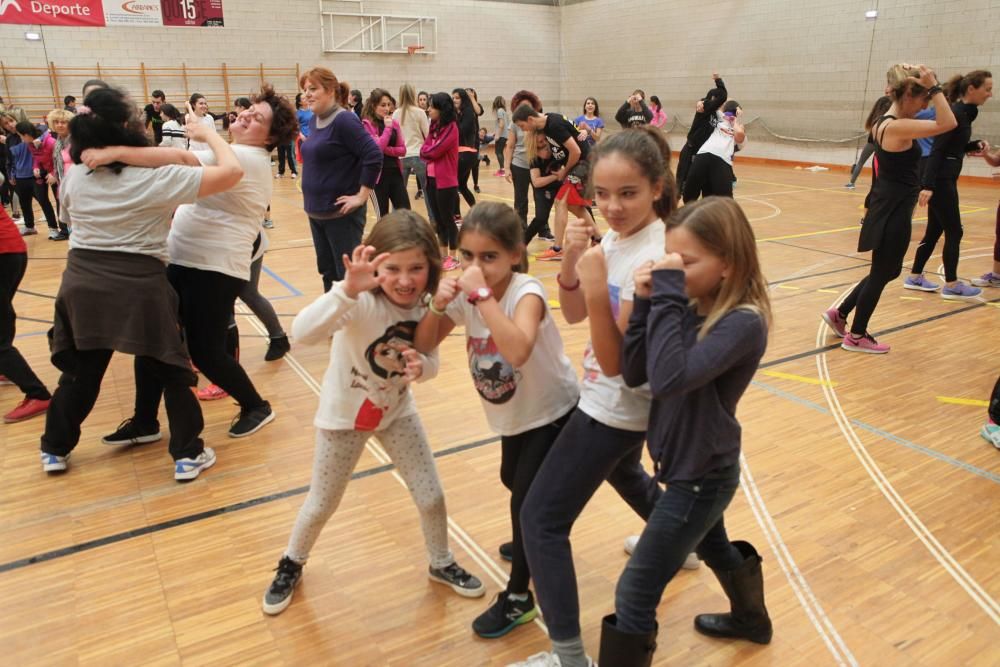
871,14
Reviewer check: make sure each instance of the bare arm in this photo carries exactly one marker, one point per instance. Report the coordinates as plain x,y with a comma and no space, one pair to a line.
227,171
138,156
514,337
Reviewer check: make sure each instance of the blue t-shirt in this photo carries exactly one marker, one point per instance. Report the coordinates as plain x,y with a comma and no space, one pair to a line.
305,115
593,123
927,143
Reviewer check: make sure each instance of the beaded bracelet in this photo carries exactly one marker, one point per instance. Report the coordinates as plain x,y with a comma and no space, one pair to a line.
567,287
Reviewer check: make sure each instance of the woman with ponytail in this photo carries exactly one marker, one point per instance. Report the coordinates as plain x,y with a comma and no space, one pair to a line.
939,186
888,225
602,440
340,165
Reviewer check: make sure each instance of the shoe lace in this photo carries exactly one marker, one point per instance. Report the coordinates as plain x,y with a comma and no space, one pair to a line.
456,572
287,571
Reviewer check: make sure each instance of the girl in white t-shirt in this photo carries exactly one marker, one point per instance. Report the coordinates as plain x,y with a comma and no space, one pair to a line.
372,315
527,385
603,439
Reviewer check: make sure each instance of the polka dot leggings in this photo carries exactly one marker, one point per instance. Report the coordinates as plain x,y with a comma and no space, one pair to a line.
337,454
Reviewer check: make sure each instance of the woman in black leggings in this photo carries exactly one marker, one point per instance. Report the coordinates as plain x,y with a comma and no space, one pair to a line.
887,227
468,142
939,187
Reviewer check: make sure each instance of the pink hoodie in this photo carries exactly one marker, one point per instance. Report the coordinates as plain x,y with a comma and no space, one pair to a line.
440,151
391,150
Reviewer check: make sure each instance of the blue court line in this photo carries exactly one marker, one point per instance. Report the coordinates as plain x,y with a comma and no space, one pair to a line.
284,283
985,474
31,333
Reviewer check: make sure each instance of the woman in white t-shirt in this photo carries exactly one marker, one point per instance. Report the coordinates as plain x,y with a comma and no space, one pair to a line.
711,170
172,132
526,383
115,295
413,121
211,250
603,440
200,107
371,316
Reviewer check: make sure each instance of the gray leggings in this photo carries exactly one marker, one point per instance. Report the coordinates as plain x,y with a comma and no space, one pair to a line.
258,305
336,455
866,153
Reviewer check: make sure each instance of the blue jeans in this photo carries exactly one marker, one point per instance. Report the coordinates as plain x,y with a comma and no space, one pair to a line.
686,516
335,238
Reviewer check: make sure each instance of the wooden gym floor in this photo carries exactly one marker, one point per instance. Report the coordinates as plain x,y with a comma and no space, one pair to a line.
866,488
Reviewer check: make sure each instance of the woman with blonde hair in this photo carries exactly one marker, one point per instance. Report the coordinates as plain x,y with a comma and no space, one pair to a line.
413,121
887,226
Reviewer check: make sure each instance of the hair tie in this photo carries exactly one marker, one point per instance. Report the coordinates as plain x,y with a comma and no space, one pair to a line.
82,110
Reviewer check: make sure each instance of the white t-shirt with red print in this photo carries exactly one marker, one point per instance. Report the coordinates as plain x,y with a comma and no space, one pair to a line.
608,399
517,399
364,386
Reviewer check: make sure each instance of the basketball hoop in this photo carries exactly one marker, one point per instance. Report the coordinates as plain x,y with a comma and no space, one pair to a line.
413,49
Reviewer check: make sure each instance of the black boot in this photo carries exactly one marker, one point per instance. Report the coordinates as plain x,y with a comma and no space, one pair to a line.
622,649
744,587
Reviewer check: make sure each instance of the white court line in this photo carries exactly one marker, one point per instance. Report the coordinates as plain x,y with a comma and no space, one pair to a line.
776,210
455,531
936,549
814,610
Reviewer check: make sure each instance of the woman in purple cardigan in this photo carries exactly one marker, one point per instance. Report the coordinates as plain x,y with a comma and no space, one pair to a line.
376,116
341,164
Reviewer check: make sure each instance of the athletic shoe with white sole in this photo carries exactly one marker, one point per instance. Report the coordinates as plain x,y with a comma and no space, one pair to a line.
546,659
460,581
991,433
53,463
960,292
920,283
279,593
130,432
187,469
249,422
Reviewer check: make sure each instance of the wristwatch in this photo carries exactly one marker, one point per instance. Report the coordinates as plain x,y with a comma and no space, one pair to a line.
480,294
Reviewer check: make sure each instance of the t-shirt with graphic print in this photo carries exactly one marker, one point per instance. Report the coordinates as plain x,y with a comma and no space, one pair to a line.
517,399
608,399
558,130
364,387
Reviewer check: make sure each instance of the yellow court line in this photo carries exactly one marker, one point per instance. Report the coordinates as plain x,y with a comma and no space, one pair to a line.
799,378
804,234
963,401
828,291
788,287
911,298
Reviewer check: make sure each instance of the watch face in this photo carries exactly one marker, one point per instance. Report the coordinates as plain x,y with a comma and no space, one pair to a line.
483,292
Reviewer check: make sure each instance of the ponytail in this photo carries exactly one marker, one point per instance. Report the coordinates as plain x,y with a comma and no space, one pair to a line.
327,80
959,84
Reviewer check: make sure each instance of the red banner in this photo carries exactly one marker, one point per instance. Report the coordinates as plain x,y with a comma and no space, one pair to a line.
53,12
205,13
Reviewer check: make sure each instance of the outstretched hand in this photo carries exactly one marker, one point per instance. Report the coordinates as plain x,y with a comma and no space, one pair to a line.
414,365
361,271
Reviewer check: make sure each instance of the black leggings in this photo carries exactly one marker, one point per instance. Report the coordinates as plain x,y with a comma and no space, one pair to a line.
545,198
709,175
12,364
522,180
206,299
444,204
684,165
27,190
80,386
390,188
521,457
286,153
466,162
942,216
499,147
887,264
995,403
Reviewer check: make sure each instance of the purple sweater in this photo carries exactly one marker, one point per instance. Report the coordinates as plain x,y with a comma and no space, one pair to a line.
696,384
337,160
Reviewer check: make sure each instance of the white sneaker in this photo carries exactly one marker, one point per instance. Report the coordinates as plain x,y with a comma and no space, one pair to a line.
53,234
546,659
187,469
53,463
692,562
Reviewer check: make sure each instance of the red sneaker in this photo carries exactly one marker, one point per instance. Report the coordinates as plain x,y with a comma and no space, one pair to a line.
212,392
26,409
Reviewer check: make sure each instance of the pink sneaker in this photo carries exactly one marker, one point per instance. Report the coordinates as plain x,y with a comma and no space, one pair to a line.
500,172
836,321
450,263
865,343
212,392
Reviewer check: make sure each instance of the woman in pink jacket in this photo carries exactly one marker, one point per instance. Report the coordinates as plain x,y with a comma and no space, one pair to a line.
440,152
376,116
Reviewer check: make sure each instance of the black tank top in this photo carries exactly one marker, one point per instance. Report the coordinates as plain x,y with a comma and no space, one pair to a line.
899,167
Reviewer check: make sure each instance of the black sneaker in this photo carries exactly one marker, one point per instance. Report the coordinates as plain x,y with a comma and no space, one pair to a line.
59,236
277,348
131,432
279,594
460,581
249,422
507,551
419,195
476,189
504,615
